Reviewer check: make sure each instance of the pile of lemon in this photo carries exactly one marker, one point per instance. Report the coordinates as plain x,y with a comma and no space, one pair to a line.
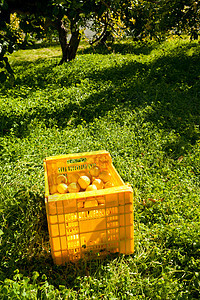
93,180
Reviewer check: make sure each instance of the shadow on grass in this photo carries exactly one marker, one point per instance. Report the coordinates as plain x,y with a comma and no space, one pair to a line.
40,45
169,84
25,231
136,48
67,274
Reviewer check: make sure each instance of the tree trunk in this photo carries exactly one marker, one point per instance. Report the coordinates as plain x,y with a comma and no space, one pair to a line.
69,50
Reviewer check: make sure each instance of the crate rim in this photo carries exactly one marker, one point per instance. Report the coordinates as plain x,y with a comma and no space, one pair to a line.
76,155
93,194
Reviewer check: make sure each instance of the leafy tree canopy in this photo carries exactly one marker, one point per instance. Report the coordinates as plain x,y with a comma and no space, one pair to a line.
137,18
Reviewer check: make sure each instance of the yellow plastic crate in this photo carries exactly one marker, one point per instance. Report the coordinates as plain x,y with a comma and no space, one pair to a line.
88,224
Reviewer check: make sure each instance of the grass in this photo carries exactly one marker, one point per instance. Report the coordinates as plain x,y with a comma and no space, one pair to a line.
139,101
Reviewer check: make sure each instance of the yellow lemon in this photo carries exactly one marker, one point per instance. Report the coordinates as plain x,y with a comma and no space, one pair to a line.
99,183
73,177
85,173
62,188
73,187
105,176
108,184
84,181
61,179
91,187
95,171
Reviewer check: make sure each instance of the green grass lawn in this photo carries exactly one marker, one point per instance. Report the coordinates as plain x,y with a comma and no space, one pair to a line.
140,102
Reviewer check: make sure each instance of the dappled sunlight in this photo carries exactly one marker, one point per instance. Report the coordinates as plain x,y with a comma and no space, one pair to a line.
167,80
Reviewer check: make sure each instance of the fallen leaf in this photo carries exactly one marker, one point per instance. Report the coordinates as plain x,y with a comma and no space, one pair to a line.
180,158
144,202
155,200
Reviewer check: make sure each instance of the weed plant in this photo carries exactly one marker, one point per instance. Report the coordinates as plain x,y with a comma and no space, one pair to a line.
140,102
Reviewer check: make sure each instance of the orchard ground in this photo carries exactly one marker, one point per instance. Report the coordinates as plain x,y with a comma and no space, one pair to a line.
140,102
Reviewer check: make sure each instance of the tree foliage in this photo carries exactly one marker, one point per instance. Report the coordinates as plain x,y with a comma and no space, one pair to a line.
7,42
109,17
157,18
63,16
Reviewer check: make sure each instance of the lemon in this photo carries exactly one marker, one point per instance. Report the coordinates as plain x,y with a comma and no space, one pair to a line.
84,181
85,173
62,188
105,176
108,184
91,187
73,187
61,179
95,171
99,183
73,177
